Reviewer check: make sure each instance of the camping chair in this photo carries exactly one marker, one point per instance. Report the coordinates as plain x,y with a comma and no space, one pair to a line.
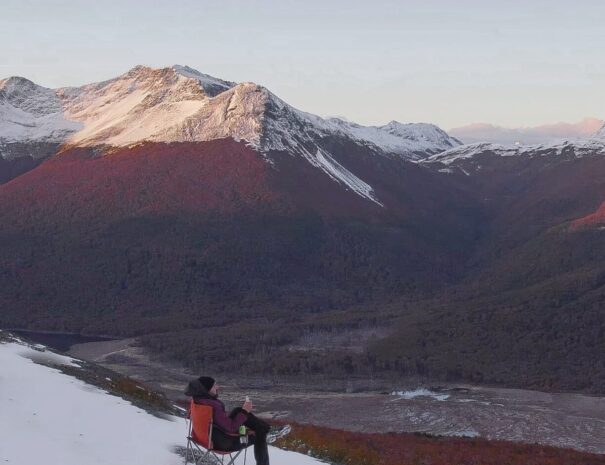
199,439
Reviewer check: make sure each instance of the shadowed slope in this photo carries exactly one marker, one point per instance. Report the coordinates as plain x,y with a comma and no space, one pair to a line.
155,236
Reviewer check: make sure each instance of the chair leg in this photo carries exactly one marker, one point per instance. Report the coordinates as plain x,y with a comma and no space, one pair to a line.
197,454
189,448
233,458
202,457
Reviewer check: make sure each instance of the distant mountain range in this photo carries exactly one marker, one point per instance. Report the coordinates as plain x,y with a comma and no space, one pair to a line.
545,134
226,227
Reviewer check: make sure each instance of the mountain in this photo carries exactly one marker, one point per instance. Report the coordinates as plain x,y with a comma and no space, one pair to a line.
272,208
545,134
33,113
225,228
529,189
530,306
32,126
179,104
563,150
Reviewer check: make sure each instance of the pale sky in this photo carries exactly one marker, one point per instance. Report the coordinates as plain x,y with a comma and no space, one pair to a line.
449,62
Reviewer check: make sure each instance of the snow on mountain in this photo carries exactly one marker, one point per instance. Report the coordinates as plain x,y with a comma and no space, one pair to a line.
143,104
180,104
469,158
50,417
472,155
32,113
415,140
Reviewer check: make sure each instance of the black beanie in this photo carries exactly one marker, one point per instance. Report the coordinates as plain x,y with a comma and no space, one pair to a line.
207,382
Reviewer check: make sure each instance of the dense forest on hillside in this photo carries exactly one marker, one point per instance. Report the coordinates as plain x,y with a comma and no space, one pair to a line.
478,278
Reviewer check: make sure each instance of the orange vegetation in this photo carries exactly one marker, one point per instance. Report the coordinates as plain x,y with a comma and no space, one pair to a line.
344,447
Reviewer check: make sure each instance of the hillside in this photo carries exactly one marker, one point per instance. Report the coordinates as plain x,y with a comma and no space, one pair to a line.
227,228
49,398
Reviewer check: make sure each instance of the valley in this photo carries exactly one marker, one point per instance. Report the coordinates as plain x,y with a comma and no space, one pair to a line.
209,224
558,419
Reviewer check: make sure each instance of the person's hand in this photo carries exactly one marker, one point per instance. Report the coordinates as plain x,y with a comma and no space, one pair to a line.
248,406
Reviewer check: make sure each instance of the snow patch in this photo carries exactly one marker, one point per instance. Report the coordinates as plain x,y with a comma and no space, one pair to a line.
421,392
466,433
339,173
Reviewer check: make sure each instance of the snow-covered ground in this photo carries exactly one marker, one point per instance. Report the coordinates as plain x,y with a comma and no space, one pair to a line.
48,417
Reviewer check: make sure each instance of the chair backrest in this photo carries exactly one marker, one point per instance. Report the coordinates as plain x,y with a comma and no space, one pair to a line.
201,424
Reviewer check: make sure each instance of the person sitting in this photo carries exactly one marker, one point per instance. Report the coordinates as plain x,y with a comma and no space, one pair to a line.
225,427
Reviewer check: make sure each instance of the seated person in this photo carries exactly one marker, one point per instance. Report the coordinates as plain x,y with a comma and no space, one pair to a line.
225,429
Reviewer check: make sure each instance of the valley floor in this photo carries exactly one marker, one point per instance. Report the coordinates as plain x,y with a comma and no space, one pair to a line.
563,420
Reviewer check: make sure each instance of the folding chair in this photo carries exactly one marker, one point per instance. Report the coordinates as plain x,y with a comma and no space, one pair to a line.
199,439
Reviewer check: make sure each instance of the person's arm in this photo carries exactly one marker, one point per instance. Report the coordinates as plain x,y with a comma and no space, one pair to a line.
222,420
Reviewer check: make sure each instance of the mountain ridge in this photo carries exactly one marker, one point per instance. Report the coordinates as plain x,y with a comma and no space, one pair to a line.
180,104
143,88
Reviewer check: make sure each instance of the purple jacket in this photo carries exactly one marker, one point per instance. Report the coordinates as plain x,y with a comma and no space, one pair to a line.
220,419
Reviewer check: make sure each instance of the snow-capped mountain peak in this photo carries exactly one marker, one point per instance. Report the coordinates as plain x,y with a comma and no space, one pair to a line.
413,140
213,86
181,104
31,113
420,131
24,94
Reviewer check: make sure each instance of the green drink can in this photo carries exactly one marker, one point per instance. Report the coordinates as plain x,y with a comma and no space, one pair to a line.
243,437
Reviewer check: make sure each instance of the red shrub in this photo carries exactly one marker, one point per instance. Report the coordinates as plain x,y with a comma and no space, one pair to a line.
344,447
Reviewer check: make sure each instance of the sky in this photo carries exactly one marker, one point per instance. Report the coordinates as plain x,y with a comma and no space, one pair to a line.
450,62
